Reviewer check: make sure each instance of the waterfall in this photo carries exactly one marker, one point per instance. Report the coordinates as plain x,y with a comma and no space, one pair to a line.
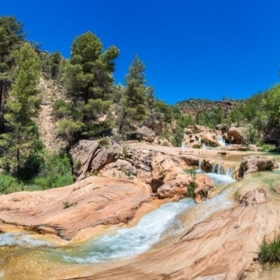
221,140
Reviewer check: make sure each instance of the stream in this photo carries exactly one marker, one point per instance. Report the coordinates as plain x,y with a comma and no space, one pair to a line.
152,229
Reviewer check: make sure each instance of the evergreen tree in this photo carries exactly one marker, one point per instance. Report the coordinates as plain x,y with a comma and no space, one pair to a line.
11,37
21,140
89,82
134,100
52,64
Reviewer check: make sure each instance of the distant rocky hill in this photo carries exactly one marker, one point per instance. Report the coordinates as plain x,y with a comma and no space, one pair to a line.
194,106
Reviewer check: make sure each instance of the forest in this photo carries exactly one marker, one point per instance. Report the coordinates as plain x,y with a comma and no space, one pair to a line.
91,106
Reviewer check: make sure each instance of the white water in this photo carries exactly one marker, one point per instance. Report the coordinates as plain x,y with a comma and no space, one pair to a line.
23,240
221,178
221,140
140,238
131,241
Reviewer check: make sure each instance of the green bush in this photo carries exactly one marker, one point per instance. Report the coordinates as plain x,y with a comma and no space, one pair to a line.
270,251
55,172
9,184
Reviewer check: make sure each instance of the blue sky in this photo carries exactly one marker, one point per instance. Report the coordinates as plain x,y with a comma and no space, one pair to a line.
191,49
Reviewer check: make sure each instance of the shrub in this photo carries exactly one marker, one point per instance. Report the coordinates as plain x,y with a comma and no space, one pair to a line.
9,184
270,251
55,172
192,185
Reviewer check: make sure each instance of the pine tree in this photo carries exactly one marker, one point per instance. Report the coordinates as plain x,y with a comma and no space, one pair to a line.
21,139
11,38
89,82
134,101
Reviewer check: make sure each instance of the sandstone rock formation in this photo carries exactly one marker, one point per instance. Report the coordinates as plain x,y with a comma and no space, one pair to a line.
252,164
222,246
150,167
235,135
195,136
89,156
65,211
144,134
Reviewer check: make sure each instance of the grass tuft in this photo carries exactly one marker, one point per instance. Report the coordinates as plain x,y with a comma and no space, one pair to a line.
270,251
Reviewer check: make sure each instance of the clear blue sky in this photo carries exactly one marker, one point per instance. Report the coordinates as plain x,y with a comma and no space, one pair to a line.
191,49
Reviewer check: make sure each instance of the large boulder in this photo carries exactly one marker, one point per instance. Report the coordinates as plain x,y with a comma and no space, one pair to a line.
143,134
197,135
89,156
256,163
209,139
235,135
182,186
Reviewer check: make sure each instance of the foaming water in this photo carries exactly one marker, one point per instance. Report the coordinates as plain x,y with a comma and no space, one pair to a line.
221,179
221,140
130,241
23,240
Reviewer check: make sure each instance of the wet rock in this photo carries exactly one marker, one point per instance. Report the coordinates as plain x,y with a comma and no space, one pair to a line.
256,163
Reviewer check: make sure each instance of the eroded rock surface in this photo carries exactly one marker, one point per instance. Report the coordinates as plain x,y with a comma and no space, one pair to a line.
221,247
85,204
256,163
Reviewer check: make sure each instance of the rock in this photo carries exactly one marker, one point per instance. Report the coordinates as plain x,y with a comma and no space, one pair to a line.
195,136
207,165
252,164
65,211
174,188
255,196
162,142
144,134
236,135
241,147
209,139
205,188
89,156
179,187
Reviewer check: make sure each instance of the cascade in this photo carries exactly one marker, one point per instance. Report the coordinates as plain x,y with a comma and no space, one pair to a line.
221,140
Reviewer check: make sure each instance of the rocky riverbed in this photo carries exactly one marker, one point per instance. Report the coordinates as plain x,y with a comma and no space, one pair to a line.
218,238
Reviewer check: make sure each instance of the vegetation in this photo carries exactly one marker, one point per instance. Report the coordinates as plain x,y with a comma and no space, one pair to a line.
92,106
192,184
270,251
21,140
89,83
134,98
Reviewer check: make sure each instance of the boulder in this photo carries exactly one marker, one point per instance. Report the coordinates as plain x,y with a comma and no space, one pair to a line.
180,187
90,155
209,138
144,134
235,135
256,163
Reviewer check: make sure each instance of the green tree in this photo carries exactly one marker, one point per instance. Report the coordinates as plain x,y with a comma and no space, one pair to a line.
11,38
52,64
134,100
21,140
89,82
